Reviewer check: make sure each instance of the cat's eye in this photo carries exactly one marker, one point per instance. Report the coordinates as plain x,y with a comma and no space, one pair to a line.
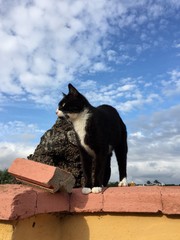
63,104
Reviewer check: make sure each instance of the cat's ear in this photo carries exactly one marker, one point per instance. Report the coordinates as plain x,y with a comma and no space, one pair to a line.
72,89
64,95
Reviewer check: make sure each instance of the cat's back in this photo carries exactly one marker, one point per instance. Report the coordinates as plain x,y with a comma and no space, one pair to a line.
107,109
107,112
106,115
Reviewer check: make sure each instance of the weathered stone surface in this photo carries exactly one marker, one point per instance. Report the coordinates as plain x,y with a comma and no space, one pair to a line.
58,147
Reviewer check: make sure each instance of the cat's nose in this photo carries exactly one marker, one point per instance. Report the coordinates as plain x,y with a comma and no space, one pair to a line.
57,111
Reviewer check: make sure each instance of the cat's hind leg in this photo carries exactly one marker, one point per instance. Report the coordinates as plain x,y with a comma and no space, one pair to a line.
107,172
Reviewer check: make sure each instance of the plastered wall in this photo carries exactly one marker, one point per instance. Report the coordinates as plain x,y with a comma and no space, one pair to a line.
92,227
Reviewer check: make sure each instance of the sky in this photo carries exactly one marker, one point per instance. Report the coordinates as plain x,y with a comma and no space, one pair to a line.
120,52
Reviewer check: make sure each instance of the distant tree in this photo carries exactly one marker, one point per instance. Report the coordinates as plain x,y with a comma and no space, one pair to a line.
112,184
156,182
149,183
6,178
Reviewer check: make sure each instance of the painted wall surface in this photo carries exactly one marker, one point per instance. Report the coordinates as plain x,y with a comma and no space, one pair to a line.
6,230
117,227
93,227
39,227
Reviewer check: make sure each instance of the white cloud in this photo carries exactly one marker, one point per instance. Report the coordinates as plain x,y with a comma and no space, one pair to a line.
154,147
99,66
127,87
46,44
125,95
14,131
177,45
44,40
10,151
155,10
163,171
172,86
35,84
112,55
88,84
137,134
17,139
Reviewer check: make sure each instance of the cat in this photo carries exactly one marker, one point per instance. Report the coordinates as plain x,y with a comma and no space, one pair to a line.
100,130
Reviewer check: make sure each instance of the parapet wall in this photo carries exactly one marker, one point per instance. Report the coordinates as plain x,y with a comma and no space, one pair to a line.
117,213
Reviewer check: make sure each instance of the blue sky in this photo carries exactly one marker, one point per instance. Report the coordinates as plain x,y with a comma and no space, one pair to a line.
123,53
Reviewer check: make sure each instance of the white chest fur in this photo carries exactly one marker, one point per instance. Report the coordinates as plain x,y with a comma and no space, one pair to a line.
79,122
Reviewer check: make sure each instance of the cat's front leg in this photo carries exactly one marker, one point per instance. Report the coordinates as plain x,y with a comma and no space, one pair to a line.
87,171
86,190
97,189
88,181
99,174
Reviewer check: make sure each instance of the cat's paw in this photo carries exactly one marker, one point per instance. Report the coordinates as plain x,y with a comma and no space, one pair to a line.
96,189
86,190
123,183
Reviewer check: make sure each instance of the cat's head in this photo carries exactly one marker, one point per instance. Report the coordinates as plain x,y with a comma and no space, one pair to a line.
72,103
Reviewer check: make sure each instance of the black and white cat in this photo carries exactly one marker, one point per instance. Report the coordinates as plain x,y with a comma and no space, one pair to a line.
100,130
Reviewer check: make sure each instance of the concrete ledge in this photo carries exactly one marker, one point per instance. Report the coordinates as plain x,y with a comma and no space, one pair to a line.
85,203
133,199
171,200
17,201
20,201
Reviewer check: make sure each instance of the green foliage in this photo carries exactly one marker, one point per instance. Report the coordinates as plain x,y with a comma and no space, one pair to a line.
6,178
112,184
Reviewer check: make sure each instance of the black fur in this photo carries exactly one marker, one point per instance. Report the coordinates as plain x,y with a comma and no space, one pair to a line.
104,128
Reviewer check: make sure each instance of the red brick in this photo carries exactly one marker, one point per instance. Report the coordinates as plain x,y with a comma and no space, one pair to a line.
42,175
49,203
171,200
85,203
17,201
132,199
